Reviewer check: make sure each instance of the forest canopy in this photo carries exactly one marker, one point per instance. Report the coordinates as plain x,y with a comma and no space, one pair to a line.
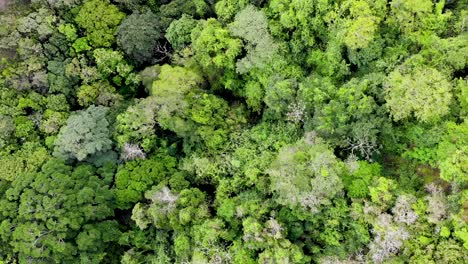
233,131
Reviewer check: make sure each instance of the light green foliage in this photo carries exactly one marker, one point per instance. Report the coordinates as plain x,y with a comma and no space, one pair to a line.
171,210
136,177
138,36
11,166
251,25
304,17
111,64
25,127
174,84
53,121
137,124
81,45
214,47
306,175
189,111
381,192
224,131
421,16
255,149
424,93
227,9
216,51
101,93
358,180
51,207
178,33
69,30
99,19
452,153
86,133
361,29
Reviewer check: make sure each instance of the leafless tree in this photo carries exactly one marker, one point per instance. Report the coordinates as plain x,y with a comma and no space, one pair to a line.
131,152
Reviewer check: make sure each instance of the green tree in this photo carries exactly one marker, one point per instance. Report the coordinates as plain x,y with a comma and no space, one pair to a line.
60,215
178,32
452,153
251,25
137,124
135,177
216,52
99,19
422,92
348,116
85,134
306,175
28,158
100,93
138,35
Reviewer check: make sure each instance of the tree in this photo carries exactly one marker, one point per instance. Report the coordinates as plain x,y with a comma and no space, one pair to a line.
28,158
137,124
100,20
452,153
112,65
226,9
251,25
349,117
85,134
138,35
178,32
361,29
60,215
216,52
174,9
135,177
422,92
190,112
306,175
7,126
100,93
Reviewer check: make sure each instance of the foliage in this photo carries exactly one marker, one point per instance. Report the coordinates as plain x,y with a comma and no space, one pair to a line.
100,20
86,133
216,51
138,35
178,32
136,177
306,174
233,131
60,209
251,25
424,93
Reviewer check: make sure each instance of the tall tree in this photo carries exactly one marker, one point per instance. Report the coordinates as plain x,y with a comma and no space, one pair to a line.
139,35
99,18
85,134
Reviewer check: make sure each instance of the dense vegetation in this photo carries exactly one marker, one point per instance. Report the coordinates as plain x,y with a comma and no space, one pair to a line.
234,131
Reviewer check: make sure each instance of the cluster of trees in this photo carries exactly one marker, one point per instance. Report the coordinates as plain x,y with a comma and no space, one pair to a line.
234,131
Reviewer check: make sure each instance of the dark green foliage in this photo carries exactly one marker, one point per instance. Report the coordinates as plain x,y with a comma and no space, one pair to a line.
136,177
58,209
138,35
